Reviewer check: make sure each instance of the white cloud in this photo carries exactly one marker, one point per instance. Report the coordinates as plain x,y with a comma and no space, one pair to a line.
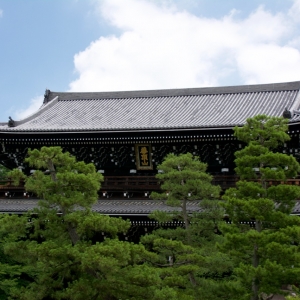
35,104
1,13
294,11
163,47
275,64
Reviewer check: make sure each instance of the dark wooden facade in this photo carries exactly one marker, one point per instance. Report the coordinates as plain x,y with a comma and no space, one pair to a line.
199,121
116,157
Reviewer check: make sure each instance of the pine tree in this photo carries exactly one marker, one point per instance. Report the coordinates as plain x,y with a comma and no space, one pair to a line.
54,245
191,262
263,237
184,178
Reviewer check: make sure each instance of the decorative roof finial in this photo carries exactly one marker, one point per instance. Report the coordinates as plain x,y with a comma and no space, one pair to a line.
287,114
46,96
11,122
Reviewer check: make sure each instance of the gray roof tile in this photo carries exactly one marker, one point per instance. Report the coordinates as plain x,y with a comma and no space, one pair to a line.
109,207
161,109
112,207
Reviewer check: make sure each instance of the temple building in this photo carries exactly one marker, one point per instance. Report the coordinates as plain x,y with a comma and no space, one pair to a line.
127,134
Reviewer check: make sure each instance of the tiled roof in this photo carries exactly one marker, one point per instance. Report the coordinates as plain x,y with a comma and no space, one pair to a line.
108,207
17,206
161,109
139,207
111,207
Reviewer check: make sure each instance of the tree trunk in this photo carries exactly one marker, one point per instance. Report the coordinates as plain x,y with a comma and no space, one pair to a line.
255,283
71,230
188,235
255,263
185,215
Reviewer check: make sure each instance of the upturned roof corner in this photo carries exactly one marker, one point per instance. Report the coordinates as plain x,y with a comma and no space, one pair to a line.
46,96
152,110
11,122
287,114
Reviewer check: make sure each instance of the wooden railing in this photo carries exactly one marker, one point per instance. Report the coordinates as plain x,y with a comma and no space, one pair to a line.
139,183
9,183
225,181
134,184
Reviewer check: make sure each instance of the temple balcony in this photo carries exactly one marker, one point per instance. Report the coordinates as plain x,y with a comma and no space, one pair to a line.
118,187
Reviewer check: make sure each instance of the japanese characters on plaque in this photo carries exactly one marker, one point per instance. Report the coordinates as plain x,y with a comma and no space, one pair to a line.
143,157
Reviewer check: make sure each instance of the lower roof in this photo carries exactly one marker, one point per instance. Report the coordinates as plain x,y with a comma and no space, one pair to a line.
112,207
159,109
107,207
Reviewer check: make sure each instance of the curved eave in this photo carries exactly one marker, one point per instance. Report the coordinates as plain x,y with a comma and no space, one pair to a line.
127,130
121,130
153,111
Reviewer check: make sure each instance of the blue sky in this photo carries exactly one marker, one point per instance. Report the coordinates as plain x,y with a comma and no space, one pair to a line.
90,45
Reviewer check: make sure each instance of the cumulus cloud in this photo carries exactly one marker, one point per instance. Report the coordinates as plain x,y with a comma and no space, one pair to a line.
275,64
294,11
35,104
160,46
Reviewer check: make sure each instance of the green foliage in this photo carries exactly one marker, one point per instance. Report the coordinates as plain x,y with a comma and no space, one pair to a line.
184,178
53,245
193,265
293,297
190,261
51,253
3,171
17,176
3,175
262,130
266,253
70,182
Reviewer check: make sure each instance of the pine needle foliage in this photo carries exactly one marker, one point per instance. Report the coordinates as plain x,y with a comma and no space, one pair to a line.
54,243
187,254
263,237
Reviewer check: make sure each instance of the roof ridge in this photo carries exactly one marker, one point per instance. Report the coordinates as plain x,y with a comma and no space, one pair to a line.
269,87
189,109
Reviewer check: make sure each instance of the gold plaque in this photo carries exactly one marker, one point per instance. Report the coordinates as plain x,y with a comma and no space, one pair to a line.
143,157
